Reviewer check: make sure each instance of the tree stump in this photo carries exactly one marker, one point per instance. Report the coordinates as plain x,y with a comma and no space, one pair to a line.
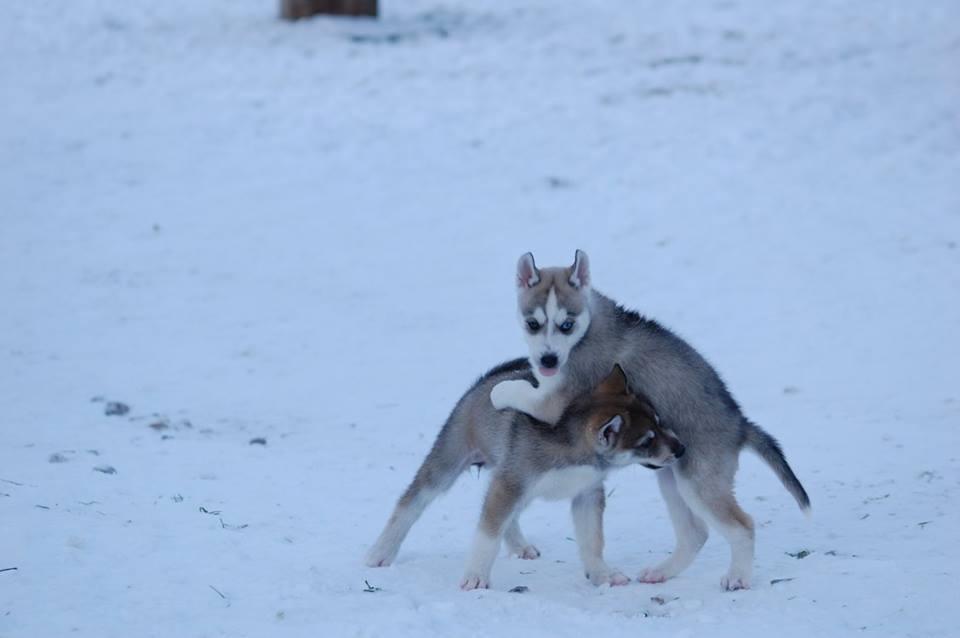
296,9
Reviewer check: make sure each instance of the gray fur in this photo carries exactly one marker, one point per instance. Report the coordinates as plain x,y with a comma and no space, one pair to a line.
689,395
691,400
520,451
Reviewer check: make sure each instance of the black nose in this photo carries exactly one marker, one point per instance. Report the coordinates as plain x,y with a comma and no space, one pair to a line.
677,453
548,361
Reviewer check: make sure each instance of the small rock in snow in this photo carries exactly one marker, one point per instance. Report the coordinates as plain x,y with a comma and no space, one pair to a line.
116,408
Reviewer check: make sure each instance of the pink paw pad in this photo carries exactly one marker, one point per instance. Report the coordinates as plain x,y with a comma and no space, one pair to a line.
652,576
529,553
618,579
470,583
734,584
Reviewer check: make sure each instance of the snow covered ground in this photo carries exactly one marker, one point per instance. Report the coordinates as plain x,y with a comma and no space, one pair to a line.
307,233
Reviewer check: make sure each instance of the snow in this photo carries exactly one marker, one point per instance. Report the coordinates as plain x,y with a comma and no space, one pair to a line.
307,233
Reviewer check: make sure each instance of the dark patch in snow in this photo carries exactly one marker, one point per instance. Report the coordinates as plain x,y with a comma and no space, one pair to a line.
116,408
803,553
370,589
559,183
694,58
437,24
781,580
258,441
56,457
106,469
220,594
112,23
690,89
519,589
229,526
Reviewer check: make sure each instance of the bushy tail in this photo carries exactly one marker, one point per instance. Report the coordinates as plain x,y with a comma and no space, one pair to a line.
769,450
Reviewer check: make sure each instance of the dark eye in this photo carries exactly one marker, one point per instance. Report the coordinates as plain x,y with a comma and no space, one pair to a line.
566,326
533,325
647,439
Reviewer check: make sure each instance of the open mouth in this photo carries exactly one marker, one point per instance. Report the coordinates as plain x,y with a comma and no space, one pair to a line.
548,372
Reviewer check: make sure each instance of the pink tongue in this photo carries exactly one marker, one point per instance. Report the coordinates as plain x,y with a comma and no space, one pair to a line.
548,372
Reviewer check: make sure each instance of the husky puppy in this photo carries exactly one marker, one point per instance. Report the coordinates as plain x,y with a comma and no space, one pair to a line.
574,334
604,429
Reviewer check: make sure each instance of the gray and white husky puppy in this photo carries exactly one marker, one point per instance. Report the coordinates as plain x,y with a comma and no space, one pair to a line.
574,334
606,428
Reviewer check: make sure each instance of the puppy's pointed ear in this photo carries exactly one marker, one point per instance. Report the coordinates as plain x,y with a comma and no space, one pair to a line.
615,384
527,274
609,431
580,270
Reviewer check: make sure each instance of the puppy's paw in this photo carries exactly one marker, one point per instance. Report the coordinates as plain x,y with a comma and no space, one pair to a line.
618,578
509,394
474,581
734,582
528,552
378,558
606,576
652,575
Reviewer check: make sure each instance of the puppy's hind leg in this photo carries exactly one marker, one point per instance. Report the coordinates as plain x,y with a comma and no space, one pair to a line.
714,500
436,475
517,542
499,507
690,529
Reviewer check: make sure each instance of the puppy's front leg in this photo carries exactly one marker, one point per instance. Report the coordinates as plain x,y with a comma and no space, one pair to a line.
521,396
514,395
587,509
499,506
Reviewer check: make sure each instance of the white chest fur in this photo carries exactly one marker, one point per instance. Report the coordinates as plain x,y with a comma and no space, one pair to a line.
567,482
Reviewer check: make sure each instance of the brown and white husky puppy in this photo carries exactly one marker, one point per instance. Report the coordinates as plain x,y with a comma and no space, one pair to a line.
605,428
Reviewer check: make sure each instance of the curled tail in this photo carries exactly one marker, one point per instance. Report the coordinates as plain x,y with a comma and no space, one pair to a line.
769,450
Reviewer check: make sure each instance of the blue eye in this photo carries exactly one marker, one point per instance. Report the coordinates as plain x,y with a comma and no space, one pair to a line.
567,326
